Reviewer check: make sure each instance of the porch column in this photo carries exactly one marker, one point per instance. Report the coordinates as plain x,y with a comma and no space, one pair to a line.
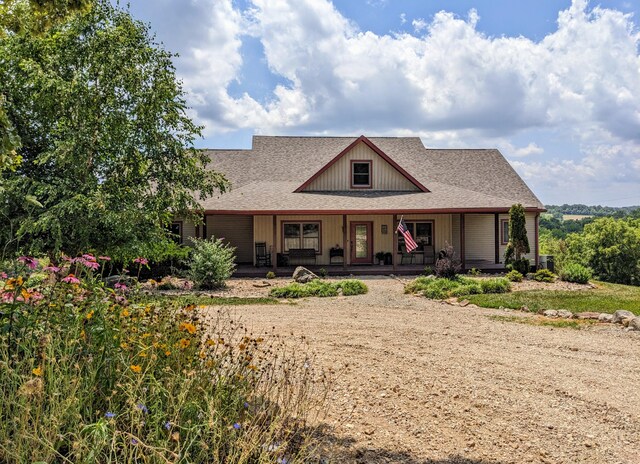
344,241
497,237
537,240
274,247
462,258
394,252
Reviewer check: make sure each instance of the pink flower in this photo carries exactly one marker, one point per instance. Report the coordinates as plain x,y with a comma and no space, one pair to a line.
91,264
141,261
36,296
3,275
28,261
121,286
7,297
89,257
52,269
104,258
71,279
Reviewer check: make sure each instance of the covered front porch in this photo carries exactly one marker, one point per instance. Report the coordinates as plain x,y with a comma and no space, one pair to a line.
352,243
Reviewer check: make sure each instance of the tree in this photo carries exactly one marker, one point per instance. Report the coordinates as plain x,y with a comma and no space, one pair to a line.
107,147
518,244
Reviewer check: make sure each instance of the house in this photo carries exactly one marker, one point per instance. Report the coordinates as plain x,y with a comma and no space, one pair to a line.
337,201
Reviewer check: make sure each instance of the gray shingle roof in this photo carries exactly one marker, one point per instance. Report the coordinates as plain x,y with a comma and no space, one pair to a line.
265,177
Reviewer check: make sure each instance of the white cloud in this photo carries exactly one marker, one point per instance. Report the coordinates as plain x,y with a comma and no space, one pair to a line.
451,85
403,18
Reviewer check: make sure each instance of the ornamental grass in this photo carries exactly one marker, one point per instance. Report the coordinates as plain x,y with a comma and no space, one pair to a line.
93,374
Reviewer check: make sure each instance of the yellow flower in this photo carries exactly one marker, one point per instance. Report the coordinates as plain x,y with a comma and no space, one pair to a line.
124,346
83,335
210,342
136,368
25,294
125,312
143,355
184,343
242,346
188,327
190,307
37,371
167,353
90,314
203,355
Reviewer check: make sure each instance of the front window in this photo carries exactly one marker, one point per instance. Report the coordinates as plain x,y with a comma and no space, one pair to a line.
301,235
361,174
175,229
504,231
422,233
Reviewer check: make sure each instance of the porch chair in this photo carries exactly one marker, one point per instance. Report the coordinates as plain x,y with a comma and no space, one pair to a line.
263,256
406,256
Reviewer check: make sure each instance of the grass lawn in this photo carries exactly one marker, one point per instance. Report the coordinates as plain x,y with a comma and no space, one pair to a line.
544,322
212,300
606,298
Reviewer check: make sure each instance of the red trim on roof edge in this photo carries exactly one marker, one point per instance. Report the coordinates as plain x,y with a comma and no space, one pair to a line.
371,145
366,211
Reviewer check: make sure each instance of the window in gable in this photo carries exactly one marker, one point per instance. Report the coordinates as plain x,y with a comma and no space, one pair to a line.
361,174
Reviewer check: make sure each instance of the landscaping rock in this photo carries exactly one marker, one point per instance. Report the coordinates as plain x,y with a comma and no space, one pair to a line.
550,313
464,303
588,315
634,323
622,314
524,308
262,284
604,317
565,314
303,275
627,320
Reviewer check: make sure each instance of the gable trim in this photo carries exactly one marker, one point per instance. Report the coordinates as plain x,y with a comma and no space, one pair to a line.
377,150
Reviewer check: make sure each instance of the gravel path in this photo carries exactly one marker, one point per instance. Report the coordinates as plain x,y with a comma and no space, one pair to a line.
424,382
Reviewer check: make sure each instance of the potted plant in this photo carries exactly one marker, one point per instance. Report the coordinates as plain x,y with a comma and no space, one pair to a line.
380,257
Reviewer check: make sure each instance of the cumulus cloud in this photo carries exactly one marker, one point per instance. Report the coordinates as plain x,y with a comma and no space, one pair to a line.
449,83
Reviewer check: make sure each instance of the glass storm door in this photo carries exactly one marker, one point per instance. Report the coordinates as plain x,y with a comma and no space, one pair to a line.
361,243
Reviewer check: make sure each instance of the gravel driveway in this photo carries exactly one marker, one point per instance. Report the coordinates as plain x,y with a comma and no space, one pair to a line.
424,382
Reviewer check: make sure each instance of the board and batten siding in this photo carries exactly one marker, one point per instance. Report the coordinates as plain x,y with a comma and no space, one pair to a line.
338,176
237,231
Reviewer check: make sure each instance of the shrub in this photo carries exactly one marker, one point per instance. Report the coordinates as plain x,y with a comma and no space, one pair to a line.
322,272
319,288
91,374
271,275
352,287
474,272
447,265
466,289
575,272
521,265
428,270
211,263
518,243
497,285
544,275
514,276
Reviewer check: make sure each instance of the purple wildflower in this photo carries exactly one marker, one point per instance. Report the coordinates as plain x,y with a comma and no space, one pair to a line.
104,258
134,441
246,405
121,286
71,279
110,415
141,261
3,275
237,426
53,269
28,261
91,264
89,257
142,408
167,425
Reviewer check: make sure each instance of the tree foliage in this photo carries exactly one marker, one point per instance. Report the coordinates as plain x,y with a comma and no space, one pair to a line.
106,141
518,244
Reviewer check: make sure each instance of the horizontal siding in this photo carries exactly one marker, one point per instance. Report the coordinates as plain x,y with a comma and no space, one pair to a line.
338,176
188,231
237,231
455,232
479,241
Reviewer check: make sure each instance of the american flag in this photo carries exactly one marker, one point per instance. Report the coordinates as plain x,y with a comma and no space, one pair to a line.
409,242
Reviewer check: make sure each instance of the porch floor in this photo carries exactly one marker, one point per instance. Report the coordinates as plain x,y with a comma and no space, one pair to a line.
247,270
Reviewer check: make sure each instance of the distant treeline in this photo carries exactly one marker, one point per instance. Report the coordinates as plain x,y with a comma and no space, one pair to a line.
597,211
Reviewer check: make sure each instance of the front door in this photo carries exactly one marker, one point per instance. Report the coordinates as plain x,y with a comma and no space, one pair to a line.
361,243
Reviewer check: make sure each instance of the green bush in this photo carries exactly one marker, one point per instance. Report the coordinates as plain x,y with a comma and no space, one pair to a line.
211,263
91,374
514,276
496,285
322,272
474,272
440,288
319,288
544,275
575,272
428,270
271,275
521,265
352,287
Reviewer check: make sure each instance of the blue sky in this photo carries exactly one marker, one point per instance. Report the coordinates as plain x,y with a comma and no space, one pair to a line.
554,84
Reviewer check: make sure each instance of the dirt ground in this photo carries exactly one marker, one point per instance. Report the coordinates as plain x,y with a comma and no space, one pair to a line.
424,382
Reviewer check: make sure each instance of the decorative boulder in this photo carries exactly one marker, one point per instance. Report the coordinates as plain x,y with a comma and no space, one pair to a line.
588,315
634,323
303,275
620,315
565,314
550,313
604,317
